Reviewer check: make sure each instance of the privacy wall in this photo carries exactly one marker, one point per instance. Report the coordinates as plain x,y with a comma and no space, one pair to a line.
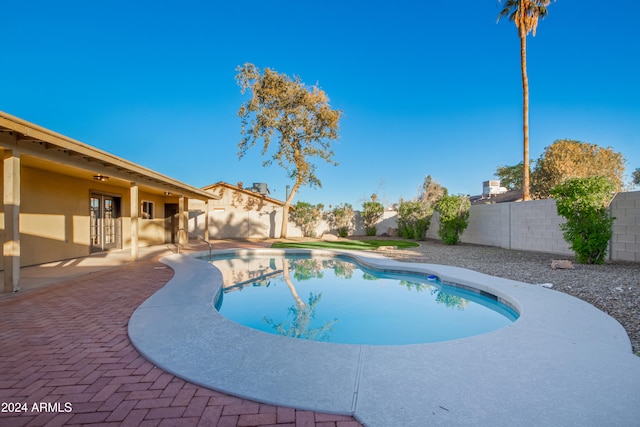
527,226
535,226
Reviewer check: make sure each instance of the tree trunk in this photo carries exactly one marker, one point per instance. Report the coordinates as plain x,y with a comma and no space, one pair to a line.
285,210
287,279
525,113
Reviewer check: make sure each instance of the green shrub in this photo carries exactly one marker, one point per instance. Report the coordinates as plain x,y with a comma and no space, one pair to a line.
583,202
414,218
371,213
307,217
371,231
454,217
341,218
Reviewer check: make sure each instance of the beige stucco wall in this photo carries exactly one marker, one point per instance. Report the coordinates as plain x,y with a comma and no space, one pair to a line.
54,216
151,231
236,215
240,215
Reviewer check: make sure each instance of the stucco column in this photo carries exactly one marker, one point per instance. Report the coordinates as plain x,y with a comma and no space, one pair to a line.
135,207
183,221
206,220
11,199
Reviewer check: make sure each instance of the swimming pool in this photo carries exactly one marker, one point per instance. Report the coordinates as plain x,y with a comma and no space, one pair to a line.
337,300
517,375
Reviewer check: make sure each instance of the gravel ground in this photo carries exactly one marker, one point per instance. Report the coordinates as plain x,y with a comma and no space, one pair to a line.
613,287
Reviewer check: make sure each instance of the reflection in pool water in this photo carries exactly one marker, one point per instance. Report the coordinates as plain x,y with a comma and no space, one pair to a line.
336,300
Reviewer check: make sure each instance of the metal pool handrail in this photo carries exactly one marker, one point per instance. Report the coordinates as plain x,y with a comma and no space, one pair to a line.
197,238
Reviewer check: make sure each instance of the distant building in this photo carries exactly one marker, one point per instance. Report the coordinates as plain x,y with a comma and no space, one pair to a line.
492,192
238,212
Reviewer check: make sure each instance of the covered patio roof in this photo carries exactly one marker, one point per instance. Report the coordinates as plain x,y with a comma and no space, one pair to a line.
24,144
42,148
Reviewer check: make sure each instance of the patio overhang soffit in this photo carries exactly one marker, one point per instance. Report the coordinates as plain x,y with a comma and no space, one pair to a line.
44,149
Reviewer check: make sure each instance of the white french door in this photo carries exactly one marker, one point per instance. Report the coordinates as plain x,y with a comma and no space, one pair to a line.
105,222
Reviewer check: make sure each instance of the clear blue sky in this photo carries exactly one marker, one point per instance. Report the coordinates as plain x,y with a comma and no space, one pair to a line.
427,88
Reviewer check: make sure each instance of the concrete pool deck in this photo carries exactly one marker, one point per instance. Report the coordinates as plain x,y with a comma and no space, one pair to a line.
563,362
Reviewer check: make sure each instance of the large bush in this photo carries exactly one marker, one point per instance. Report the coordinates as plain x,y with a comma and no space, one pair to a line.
454,217
372,211
571,159
583,202
635,177
307,217
414,218
341,218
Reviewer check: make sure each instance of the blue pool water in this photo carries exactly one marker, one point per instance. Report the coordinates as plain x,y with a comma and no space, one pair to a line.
336,300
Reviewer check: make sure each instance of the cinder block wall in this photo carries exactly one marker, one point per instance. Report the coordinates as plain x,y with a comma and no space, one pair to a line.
625,244
528,226
488,225
535,226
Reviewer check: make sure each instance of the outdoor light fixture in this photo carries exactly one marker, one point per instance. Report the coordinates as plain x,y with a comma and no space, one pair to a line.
166,193
102,178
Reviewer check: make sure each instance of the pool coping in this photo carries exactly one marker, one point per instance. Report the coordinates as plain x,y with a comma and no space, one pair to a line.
563,362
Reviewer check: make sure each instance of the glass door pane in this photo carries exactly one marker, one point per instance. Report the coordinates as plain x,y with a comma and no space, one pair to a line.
95,224
108,229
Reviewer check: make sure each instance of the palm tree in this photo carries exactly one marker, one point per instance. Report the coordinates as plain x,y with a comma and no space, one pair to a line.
525,14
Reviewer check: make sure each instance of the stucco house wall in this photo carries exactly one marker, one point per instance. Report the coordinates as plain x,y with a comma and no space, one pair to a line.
238,213
55,190
54,216
242,213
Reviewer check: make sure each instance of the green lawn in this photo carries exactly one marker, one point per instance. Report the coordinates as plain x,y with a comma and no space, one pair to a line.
359,245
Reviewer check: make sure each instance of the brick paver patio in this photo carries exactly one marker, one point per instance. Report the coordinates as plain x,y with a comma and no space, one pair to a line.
67,345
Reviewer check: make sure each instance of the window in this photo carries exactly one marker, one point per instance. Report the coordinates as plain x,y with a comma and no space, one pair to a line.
147,210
